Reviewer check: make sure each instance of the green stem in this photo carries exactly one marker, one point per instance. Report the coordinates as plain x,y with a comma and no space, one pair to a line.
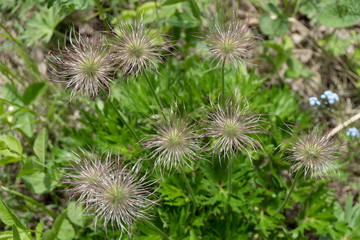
192,195
153,226
297,175
223,82
101,13
154,93
122,118
229,181
30,200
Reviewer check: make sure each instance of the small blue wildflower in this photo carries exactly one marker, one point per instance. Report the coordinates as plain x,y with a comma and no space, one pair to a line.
314,101
353,132
330,97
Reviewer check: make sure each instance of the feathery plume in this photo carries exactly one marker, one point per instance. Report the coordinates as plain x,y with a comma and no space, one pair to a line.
175,142
85,175
117,196
314,153
231,127
229,43
85,65
137,49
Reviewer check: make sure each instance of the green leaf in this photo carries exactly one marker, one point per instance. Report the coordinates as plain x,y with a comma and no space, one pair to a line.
42,25
274,25
344,13
8,217
39,230
13,147
25,123
182,20
16,234
75,214
170,2
40,145
58,230
38,183
33,92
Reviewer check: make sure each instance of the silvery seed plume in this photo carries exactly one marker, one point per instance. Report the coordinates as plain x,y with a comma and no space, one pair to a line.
121,198
85,175
174,144
314,153
232,127
138,49
229,43
85,65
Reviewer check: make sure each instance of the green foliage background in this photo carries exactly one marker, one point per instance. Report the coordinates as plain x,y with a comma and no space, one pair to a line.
41,130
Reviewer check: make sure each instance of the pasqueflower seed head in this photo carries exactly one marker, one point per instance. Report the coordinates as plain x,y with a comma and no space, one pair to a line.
174,144
229,43
314,153
232,126
86,174
138,49
85,65
121,198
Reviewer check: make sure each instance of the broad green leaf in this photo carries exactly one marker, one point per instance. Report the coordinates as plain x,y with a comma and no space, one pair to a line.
33,92
274,25
30,166
38,182
40,145
66,231
75,214
344,13
13,146
54,231
25,123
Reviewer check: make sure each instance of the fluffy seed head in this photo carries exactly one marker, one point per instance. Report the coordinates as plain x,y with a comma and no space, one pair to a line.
85,65
232,126
137,49
229,43
174,144
314,153
118,196
85,175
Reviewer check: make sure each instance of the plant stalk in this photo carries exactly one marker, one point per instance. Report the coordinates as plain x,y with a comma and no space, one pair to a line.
297,175
223,82
229,180
122,118
192,195
154,93
30,200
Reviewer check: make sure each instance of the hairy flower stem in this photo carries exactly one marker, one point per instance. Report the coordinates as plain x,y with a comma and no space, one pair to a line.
297,175
122,118
223,83
154,93
192,195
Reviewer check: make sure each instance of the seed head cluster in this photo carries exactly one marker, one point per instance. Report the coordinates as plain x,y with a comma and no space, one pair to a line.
229,43
232,127
174,143
314,153
137,49
114,194
86,65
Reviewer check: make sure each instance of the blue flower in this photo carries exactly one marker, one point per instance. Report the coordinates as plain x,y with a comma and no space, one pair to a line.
353,132
314,101
330,97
